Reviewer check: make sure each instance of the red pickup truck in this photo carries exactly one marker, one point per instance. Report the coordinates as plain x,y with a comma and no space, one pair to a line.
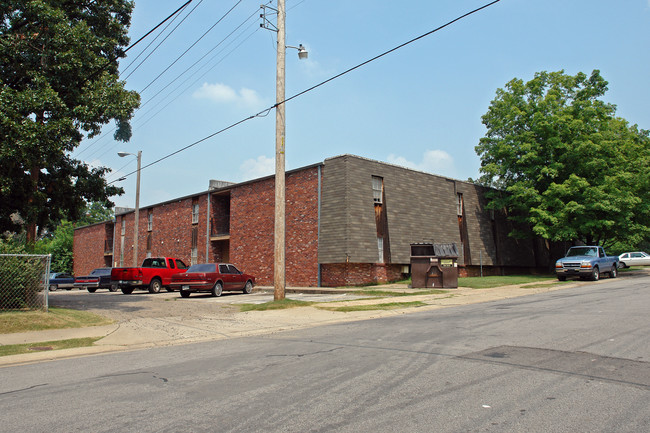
154,274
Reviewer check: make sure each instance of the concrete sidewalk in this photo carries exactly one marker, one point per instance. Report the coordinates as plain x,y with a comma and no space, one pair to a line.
146,332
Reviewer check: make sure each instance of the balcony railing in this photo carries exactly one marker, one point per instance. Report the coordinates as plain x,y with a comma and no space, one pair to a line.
108,246
219,229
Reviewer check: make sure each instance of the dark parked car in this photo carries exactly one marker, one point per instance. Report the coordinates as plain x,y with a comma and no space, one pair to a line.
99,278
60,280
213,278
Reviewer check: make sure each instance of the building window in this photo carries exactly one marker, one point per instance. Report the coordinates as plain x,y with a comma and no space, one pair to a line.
377,189
380,248
459,205
123,226
150,220
195,213
194,255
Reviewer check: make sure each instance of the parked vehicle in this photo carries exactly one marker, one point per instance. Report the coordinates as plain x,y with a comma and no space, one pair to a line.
586,262
61,280
638,258
213,278
99,278
154,274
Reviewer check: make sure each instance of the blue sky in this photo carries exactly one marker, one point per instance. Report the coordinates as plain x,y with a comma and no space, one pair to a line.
419,107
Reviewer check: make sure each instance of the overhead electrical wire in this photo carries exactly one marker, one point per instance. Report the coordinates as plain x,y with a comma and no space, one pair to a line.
197,79
141,123
194,82
163,41
198,61
173,14
191,46
107,134
144,50
322,83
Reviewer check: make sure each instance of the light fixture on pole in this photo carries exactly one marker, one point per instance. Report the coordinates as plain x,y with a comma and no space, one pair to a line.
280,221
302,51
137,204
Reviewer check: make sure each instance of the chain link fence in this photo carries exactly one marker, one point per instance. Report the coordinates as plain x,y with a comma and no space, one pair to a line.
24,281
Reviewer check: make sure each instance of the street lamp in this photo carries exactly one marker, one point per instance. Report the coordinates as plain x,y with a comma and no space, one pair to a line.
137,204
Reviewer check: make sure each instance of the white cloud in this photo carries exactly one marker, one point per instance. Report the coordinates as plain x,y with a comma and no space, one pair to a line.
256,168
433,161
223,94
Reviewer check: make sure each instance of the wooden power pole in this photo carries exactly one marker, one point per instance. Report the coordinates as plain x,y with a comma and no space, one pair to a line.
280,222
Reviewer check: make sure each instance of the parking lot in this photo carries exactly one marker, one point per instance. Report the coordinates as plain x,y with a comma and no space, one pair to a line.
142,304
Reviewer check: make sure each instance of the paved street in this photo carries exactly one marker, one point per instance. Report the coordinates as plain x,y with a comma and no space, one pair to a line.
574,360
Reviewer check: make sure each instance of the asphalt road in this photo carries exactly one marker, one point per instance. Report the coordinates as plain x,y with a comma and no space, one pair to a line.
575,360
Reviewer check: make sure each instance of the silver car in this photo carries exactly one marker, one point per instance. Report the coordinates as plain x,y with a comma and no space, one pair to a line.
638,258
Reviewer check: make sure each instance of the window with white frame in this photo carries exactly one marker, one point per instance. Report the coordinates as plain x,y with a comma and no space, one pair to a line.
459,204
150,221
377,189
380,249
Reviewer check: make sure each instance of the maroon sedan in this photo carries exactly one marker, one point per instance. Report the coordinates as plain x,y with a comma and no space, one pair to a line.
213,278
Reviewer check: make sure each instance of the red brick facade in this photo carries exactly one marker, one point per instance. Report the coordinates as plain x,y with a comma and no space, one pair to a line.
92,247
252,229
240,231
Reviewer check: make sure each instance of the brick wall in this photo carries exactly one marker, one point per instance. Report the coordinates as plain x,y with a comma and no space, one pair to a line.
88,248
252,211
171,231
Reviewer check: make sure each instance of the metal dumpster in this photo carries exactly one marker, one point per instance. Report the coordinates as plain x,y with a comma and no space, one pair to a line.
434,265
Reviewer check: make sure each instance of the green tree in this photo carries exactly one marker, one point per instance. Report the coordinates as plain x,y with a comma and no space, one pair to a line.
95,212
563,165
59,243
59,82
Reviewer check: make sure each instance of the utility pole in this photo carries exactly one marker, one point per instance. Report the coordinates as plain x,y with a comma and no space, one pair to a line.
137,204
137,213
280,222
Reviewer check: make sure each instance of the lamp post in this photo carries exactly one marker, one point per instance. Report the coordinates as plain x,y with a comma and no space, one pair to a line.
137,204
279,269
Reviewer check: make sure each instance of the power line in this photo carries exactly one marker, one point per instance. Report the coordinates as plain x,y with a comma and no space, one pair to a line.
144,50
141,123
191,46
163,41
174,62
266,111
173,14
195,81
198,61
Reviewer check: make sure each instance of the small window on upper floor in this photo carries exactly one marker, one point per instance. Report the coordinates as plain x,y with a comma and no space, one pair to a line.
150,221
459,204
195,213
377,189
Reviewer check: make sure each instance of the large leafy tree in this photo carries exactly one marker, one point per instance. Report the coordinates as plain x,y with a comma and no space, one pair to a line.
59,83
562,164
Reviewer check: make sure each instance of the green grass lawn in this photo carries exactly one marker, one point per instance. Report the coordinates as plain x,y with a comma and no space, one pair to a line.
56,318
507,280
17,349
371,307
274,305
